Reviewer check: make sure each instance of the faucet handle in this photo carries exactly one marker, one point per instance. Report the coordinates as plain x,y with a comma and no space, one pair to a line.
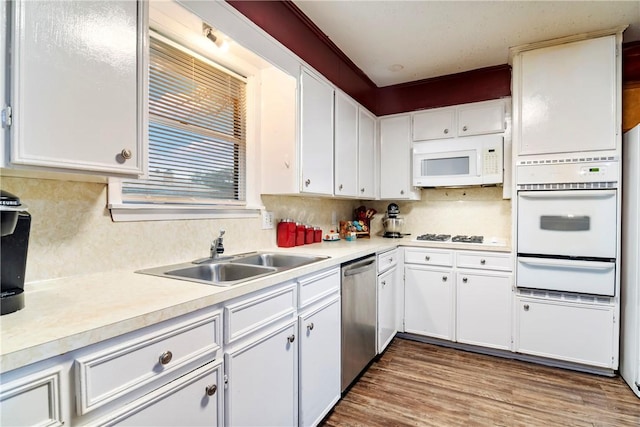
221,233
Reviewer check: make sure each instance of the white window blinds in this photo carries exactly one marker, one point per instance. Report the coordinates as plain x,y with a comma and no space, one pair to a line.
197,132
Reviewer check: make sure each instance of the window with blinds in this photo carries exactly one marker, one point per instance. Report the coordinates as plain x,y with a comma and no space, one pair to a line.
197,132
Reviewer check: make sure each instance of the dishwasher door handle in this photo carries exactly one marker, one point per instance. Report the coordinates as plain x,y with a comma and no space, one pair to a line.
360,268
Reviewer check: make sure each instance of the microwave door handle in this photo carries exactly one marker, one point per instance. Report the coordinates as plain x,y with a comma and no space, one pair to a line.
571,264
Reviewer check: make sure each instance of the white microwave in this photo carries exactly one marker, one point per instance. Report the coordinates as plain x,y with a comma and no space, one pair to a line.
471,160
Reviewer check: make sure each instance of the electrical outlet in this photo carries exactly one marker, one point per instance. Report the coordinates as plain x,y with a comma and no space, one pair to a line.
267,220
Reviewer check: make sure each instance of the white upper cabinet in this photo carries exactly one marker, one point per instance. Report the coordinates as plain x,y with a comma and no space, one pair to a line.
75,91
346,146
567,97
475,118
316,134
366,155
395,158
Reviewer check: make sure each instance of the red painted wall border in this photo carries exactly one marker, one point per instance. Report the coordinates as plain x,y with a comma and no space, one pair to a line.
291,27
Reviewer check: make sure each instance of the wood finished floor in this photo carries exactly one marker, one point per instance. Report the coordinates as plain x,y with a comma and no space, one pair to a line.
417,384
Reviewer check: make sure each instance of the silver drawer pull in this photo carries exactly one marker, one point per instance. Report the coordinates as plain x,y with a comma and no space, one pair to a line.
291,338
427,258
211,389
465,280
307,182
483,261
309,327
165,357
444,278
526,307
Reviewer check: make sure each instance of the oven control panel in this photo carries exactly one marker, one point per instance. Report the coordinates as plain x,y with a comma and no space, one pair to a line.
554,173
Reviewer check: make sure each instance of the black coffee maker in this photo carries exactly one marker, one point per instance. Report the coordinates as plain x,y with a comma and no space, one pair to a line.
14,241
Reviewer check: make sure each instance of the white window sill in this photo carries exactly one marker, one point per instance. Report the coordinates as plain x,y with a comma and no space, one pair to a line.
133,212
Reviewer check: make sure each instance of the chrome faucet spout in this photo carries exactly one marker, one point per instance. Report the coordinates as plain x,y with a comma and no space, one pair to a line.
217,248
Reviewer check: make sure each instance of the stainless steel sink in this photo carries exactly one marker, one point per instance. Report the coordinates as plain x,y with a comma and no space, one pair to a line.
279,260
229,271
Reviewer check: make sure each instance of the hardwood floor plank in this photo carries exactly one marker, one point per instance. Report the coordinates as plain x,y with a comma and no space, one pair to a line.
418,384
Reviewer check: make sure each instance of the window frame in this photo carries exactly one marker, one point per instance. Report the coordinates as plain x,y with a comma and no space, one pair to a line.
251,207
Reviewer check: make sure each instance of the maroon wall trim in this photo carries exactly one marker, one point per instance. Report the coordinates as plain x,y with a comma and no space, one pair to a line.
291,27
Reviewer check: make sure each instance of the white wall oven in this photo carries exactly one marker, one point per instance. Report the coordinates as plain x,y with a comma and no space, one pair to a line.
567,223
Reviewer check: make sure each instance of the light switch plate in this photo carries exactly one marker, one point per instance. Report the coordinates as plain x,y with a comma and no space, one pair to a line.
267,220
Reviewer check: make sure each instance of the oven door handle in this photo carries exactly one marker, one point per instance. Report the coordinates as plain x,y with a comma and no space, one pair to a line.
568,194
563,263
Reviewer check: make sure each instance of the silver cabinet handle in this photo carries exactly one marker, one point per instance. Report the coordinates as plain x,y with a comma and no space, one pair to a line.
427,258
309,328
126,153
211,389
526,307
465,280
291,338
483,261
165,357
362,190
444,278
401,191
464,128
340,187
384,283
307,183
446,131
390,260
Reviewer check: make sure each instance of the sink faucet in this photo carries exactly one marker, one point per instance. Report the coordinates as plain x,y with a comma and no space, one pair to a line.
216,246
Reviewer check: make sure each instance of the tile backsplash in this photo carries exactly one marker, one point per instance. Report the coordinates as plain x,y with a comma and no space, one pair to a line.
72,232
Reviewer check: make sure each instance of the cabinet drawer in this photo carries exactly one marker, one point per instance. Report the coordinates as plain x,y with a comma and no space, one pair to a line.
196,395
131,366
428,257
386,260
247,315
32,400
318,286
483,260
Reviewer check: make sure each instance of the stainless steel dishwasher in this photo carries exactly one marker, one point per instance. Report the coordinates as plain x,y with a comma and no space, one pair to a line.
358,317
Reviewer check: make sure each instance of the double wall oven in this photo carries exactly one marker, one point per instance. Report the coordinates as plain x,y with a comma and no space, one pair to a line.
567,225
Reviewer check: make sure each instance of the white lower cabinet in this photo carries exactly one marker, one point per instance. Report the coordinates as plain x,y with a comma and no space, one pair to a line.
428,303
33,399
319,332
580,333
387,290
192,400
483,307
262,379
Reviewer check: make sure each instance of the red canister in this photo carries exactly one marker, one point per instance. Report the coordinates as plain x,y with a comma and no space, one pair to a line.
308,234
300,234
286,233
317,234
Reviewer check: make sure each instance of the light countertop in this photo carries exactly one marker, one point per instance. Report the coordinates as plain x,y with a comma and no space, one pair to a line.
67,314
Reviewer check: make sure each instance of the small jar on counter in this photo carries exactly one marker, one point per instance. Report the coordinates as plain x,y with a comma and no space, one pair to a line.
317,234
300,234
309,235
286,235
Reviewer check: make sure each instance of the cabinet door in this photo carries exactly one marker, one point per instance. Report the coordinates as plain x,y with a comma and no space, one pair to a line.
194,399
319,362
481,118
568,97
483,309
386,308
395,158
434,124
576,333
428,304
346,146
75,86
263,381
316,138
366,155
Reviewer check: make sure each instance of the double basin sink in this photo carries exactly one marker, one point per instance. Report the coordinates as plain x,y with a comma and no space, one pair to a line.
232,270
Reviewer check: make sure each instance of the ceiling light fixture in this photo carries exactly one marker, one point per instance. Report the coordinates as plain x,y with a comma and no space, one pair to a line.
209,33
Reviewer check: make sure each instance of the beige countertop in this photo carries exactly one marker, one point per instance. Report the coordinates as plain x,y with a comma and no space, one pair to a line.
67,314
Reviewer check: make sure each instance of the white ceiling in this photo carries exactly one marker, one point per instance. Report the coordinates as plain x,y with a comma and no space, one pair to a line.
435,38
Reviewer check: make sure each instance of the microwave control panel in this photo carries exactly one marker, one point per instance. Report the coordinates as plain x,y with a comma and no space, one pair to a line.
491,164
